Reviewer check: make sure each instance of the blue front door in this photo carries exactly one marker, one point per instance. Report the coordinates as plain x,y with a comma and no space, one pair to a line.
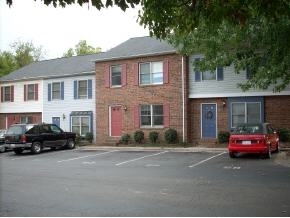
208,121
56,121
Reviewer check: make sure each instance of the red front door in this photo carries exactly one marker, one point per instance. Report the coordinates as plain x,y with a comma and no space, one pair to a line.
116,121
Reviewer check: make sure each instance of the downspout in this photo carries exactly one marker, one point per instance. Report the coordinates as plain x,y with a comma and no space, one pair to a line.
183,99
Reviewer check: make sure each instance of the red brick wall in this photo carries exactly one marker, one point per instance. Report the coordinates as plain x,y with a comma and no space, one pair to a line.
277,111
194,119
132,95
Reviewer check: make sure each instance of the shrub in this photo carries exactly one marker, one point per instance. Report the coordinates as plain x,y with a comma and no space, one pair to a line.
153,136
171,136
284,134
223,137
89,137
139,136
125,139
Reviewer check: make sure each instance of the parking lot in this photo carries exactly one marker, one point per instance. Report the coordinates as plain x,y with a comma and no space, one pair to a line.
114,182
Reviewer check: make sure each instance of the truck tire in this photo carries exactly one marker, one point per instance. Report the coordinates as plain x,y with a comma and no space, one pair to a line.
36,147
70,144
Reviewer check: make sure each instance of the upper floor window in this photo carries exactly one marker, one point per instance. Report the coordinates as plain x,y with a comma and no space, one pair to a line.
31,92
116,75
83,89
55,91
151,73
7,93
217,74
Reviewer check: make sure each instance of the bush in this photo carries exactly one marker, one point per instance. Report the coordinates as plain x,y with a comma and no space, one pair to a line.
125,139
223,137
171,136
284,134
153,136
89,137
139,136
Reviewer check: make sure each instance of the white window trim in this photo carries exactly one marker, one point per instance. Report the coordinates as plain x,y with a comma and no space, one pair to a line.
151,83
151,115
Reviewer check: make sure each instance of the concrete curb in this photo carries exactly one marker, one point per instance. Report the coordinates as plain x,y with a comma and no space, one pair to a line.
121,148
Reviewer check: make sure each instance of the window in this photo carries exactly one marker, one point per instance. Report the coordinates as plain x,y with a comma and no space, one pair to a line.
31,92
80,125
83,89
217,74
56,91
151,73
116,75
246,112
151,115
7,93
208,75
26,119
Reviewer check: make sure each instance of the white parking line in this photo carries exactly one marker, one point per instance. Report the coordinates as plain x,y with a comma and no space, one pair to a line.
203,161
93,155
128,161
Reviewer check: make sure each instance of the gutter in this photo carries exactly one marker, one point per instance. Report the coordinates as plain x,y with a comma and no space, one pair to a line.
183,98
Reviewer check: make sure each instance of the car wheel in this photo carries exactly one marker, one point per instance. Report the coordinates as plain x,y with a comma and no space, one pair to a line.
18,150
70,144
232,154
268,155
36,147
2,149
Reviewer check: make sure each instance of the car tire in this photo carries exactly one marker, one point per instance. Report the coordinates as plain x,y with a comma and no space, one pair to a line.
18,150
232,155
2,149
70,144
36,147
268,155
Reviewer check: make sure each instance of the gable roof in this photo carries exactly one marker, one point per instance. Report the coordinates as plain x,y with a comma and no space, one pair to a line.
137,47
60,67
84,64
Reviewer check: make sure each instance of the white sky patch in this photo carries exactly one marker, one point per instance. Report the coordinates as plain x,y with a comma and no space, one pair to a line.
58,29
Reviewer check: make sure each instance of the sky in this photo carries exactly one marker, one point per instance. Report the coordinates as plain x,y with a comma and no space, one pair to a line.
58,29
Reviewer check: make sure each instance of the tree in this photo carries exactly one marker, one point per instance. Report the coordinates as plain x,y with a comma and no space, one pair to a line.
82,48
23,53
251,34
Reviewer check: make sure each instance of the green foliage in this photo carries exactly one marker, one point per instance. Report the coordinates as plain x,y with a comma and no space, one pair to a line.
153,136
82,48
170,136
139,136
89,137
284,134
125,139
223,137
23,53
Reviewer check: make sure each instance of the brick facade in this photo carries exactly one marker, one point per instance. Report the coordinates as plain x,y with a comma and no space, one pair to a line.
16,118
131,95
277,111
194,118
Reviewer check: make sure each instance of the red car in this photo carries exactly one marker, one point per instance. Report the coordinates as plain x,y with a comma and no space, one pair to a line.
253,138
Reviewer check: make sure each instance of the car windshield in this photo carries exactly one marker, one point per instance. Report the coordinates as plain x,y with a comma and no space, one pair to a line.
248,129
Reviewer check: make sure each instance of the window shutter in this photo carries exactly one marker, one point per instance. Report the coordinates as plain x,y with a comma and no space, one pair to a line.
24,94
220,73
62,90
136,74
90,89
36,92
165,71
107,76
197,73
2,94
136,117
12,93
75,89
166,113
49,91
124,74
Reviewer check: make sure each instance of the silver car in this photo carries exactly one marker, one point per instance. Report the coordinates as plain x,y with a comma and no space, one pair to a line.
2,140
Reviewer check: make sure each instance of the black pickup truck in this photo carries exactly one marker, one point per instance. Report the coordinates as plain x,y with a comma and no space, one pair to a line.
35,137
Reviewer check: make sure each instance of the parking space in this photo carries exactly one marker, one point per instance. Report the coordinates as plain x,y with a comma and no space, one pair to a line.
141,183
